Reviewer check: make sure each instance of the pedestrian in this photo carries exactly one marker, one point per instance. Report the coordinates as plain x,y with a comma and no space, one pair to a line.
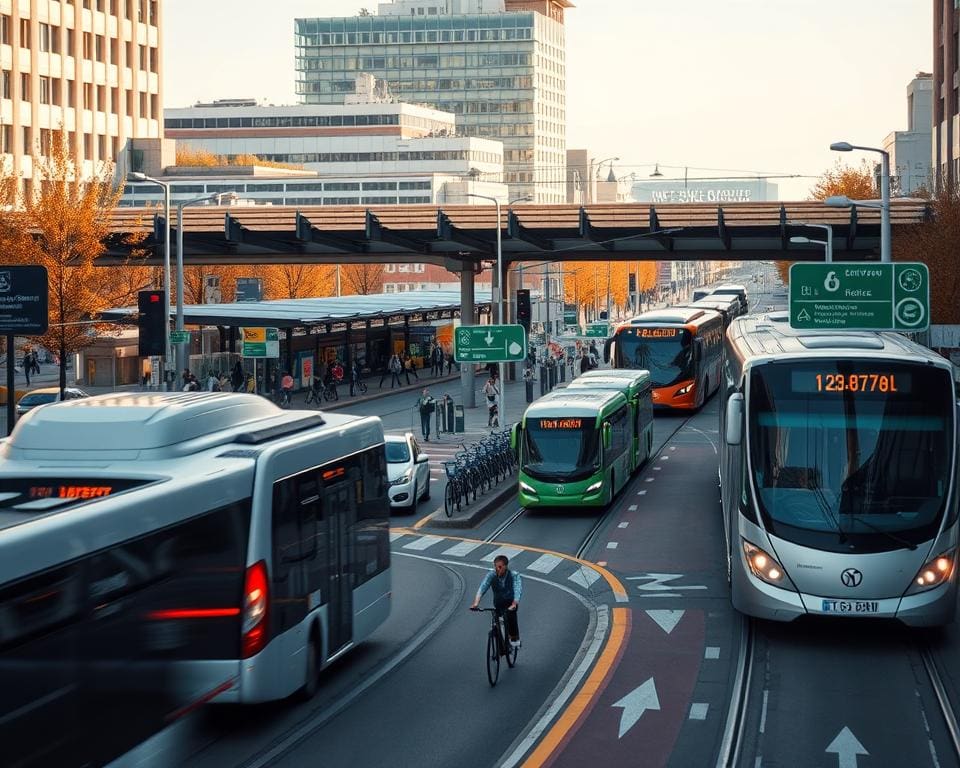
213,382
449,362
27,365
410,366
492,392
237,379
34,362
438,360
493,370
395,368
224,383
584,363
425,404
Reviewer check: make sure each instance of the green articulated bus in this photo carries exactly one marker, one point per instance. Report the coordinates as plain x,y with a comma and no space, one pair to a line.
638,389
575,448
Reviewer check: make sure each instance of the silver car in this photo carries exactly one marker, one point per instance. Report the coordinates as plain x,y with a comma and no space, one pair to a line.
408,472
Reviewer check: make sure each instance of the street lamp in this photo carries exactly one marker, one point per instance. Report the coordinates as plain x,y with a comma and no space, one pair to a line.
142,178
521,199
885,233
828,243
590,176
498,278
178,325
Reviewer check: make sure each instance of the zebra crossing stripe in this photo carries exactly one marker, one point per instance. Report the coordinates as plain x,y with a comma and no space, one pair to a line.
507,552
424,542
394,535
584,577
544,563
462,549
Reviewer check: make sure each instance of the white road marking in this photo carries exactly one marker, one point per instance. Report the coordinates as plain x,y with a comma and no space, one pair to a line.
635,703
632,508
657,469
584,576
666,620
664,458
394,535
641,493
507,552
544,563
763,711
699,711
623,525
424,542
711,652
462,549
649,480
612,545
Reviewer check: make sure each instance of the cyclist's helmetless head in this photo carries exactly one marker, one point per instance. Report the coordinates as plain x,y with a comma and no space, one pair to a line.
500,564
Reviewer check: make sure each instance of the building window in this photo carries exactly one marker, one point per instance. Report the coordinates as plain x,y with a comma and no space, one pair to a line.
6,139
88,146
24,33
143,105
71,94
46,141
27,141
88,96
143,57
155,106
100,48
71,42
114,51
44,91
5,85
5,29
24,86
101,147
87,45
154,54
101,98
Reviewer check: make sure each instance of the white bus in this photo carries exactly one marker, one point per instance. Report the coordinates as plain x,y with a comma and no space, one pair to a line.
162,550
838,474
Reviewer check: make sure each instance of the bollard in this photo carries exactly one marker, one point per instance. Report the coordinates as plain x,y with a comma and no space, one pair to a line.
543,380
458,419
552,371
529,384
563,373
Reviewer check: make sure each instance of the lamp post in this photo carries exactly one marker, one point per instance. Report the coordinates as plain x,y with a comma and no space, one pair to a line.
885,233
143,178
497,282
590,176
828,243
522,199
180,349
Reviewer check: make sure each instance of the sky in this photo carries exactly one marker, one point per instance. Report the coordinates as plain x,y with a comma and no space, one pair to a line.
744,86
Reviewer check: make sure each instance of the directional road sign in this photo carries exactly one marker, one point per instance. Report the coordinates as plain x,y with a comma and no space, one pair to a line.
600,330
260,342
179,337
489,344
858,296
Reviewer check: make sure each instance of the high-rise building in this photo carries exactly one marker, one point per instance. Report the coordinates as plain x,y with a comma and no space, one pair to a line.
910,149
946,94
92,67
498,65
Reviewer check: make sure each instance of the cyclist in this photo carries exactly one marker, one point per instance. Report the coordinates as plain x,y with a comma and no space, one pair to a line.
286,388
507,591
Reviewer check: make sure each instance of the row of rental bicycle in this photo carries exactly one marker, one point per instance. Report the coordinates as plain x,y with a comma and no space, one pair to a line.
477,468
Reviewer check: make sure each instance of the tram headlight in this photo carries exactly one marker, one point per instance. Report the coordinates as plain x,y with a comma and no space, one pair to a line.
934,572
763,565
528,489
687,389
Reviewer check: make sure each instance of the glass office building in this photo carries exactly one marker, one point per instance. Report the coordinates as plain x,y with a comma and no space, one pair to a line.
502,74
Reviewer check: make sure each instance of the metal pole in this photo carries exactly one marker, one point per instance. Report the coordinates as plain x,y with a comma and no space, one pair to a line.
166,280
180,350
11,387
338,279
885,233
829,229
500,279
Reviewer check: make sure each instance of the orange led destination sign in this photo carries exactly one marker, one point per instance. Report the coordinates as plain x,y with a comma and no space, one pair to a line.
659,333
561,423
70,491
882,382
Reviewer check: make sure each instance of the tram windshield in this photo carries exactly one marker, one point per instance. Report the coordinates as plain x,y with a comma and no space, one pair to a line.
851,455
561,449
665,352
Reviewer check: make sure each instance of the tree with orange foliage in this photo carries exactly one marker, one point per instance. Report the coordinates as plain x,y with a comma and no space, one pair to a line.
67,221
298,281
362,279
585,282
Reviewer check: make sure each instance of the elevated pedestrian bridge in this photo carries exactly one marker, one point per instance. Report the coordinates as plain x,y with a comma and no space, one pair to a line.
461,237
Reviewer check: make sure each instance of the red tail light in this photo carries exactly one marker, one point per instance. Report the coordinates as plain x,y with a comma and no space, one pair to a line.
255,613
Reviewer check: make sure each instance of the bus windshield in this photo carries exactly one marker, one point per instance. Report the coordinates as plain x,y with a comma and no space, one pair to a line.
851,455
561,449
665,352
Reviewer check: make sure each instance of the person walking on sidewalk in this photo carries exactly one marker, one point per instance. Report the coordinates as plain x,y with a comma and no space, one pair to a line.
492,392
27,364
426,405
394,366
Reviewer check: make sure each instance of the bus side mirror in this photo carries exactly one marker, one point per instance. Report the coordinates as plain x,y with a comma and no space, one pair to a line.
608,345
734,430
515,436
606,435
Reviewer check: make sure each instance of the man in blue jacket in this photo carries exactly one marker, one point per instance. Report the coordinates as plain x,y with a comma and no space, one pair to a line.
507,590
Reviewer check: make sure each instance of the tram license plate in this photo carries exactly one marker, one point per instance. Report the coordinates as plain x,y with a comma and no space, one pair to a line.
851,606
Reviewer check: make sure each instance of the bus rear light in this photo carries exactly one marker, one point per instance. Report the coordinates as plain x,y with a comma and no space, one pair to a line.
255,610
762,565
935,572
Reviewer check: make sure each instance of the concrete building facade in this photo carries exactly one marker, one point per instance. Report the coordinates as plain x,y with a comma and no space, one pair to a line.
499,66
92,67
946,94
910,150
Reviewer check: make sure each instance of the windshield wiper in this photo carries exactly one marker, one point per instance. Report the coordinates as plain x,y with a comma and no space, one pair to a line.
876,529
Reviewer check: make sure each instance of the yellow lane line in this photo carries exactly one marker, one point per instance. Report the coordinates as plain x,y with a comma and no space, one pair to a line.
619,591
569,720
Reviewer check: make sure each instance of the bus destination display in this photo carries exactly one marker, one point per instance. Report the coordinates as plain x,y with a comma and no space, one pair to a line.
831,382
561,423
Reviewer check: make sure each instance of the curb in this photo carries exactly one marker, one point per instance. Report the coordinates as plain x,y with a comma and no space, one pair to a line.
347,401
476,516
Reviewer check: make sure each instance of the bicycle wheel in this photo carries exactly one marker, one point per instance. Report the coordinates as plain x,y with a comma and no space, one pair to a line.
493,658
449,499
511,652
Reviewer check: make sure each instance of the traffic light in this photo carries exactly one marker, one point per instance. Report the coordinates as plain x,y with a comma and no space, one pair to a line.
152,322
523,308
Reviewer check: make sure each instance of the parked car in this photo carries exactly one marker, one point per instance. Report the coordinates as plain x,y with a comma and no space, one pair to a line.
46,395
408,472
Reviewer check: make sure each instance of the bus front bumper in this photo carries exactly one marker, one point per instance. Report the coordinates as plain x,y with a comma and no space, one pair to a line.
560,496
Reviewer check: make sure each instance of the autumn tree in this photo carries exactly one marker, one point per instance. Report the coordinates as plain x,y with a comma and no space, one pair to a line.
195,280
585,283
362,279
67,218
298,281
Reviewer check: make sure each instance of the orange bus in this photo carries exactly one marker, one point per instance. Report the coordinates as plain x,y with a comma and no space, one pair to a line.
682,348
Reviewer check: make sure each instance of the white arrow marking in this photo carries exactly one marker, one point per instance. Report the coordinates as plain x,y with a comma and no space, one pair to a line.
635,704
488,338
846,747
658,582
666,619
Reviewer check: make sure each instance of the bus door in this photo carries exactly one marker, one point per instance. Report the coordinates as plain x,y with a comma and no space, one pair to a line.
340,521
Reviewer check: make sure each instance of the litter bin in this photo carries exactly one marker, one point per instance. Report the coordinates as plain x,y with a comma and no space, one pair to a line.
458,419
448,418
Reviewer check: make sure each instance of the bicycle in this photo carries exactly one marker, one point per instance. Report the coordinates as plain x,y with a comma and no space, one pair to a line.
313,396
456,488
286,397
497,644
330,391
359,387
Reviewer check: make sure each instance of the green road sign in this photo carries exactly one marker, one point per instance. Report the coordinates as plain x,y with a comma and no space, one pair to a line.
260,342
179,337
860,296
600,330
489,344
569,317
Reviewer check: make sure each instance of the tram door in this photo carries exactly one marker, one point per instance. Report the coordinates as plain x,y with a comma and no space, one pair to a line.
340,519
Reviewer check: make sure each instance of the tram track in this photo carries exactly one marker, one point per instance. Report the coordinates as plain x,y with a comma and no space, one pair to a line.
732,738
943,699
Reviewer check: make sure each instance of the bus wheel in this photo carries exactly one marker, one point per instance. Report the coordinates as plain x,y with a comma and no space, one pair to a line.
311,681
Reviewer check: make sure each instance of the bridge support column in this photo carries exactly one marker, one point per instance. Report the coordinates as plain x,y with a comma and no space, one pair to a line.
468,390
